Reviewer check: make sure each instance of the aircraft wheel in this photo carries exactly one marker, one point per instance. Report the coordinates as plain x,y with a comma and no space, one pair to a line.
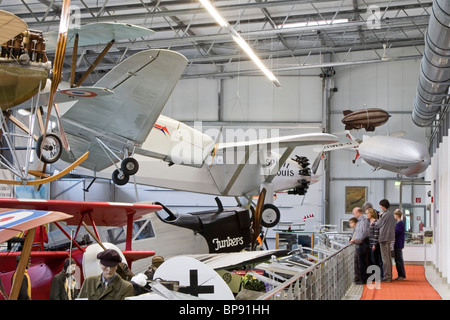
49,149
130,166
120,178
270,216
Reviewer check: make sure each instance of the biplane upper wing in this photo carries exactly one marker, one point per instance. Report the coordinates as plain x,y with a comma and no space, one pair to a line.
13,222
141,86
103,213
11,25
98,33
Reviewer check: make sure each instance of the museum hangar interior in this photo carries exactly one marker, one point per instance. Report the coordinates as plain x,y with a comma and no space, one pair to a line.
327,56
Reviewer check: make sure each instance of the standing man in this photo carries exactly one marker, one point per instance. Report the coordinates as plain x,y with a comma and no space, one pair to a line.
109,285
386,227
361,239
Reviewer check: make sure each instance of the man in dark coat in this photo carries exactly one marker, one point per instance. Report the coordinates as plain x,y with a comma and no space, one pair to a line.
63,284
108,285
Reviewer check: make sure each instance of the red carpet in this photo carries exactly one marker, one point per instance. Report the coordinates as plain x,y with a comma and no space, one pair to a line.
414,287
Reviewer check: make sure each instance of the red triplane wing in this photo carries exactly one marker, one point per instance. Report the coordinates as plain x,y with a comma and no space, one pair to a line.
114,214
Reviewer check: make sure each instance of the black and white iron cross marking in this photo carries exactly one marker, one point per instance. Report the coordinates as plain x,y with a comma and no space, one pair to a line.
194,288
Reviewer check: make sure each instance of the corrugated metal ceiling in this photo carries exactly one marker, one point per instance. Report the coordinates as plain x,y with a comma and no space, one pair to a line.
327,28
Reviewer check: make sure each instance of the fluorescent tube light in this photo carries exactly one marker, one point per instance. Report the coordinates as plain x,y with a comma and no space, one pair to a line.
244,45
215,14
311,23
239,40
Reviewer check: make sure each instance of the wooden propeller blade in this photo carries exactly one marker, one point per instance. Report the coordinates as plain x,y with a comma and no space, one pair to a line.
74,61
59,57
257,218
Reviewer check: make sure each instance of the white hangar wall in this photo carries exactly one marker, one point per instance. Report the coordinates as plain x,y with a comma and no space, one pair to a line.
387,85
439,174
248,99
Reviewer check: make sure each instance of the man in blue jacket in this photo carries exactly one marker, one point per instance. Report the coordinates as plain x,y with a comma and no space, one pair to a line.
399,244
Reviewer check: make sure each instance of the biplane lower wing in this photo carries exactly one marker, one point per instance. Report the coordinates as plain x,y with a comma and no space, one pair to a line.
61,174
74,94
137,255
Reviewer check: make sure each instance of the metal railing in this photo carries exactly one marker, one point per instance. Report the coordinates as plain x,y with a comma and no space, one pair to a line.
327,279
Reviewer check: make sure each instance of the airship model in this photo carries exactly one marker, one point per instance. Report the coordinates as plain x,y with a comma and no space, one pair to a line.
367,118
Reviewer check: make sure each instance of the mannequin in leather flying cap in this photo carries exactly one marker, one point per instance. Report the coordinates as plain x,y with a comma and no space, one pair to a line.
108,285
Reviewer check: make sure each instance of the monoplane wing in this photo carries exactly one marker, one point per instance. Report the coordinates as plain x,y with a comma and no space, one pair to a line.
11,25
13,222
99,33
142,84
288,142
102,213
284,141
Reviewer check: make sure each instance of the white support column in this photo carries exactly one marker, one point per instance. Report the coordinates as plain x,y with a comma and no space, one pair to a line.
443,207
446,210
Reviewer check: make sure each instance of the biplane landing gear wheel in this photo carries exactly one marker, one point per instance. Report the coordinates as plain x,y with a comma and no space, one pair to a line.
120,178
270,216
130,166
49,149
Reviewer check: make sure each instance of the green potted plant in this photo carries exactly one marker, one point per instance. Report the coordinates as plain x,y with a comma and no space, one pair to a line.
251,288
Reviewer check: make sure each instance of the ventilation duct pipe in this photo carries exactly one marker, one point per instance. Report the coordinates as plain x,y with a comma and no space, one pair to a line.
434,67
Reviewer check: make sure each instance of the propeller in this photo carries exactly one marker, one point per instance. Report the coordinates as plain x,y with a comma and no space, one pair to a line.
257,217
57,69
216,145
43,145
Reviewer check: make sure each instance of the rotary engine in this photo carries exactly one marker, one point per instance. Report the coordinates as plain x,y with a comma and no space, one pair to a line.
305,173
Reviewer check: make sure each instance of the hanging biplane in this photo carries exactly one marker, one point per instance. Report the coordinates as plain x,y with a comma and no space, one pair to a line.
25,72
46,264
